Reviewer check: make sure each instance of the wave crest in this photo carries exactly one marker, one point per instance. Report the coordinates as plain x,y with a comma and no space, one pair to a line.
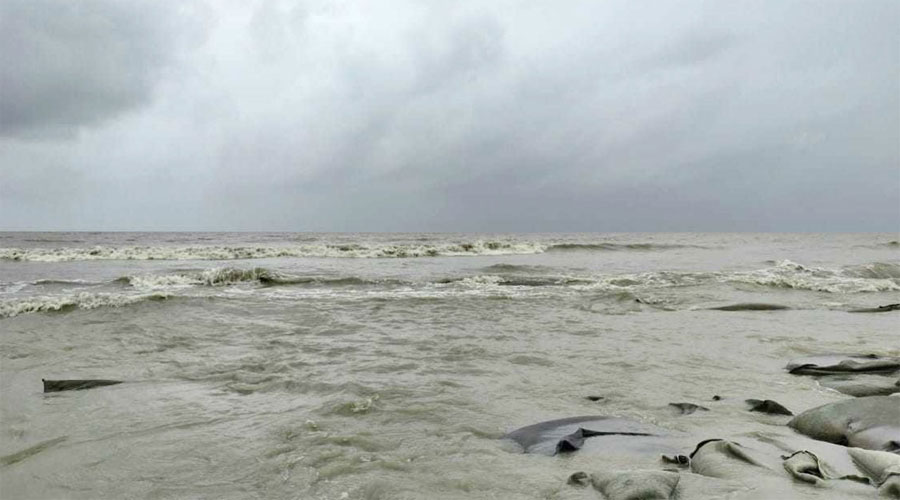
483,280
788,274
83,300
230,276
875,270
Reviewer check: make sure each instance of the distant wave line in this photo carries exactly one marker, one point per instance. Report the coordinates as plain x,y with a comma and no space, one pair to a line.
261,252
354,250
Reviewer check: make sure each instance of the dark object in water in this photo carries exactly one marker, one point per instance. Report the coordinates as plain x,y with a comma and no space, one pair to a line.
594,398
750,306
682,460
768,406
836,364
579,479
574,441
717,398
570,434
687,408
879,309
75,385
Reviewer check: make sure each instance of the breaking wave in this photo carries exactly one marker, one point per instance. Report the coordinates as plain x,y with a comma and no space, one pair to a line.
231,276
210,277
877,277
500,280
875,270
62,303
354,250
874,277
520,281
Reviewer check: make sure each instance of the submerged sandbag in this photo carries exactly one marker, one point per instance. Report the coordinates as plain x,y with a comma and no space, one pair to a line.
879,466
862,385
768,406
879,309
805,466
890,488
724,459
687,408
772,465
870,422
75,385
574,433
808,467
750,306
634,485
575,440
836,364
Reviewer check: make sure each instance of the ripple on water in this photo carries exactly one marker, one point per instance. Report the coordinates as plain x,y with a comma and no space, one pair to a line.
31,451
524,359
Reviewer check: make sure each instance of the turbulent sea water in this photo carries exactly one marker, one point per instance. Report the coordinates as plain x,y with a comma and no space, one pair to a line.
385,366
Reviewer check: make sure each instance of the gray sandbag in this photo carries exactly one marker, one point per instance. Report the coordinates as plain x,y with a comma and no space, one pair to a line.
808,467
891,487
725,459
835,364
805,466
774,465
636,485
882,468
869,422
687,408
862,385
600,434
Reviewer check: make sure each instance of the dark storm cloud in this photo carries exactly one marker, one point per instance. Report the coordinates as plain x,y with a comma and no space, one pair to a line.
471,116
73,64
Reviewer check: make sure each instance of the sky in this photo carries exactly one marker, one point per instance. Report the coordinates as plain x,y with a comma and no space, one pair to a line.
437,115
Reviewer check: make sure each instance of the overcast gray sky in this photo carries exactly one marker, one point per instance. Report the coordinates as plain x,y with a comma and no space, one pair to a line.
450,115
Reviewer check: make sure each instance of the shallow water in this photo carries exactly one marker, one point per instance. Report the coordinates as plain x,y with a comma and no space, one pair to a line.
388,366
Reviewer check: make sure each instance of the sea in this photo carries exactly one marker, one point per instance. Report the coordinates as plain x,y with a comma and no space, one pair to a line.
390,366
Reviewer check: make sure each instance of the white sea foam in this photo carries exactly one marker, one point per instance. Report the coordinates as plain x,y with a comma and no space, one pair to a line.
876,270
480,281
230,276
155,281
784,274
658,279
210,277
788,274
83,300
10,288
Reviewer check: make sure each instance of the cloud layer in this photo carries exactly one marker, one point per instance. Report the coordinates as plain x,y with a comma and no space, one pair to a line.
487,116
74,64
